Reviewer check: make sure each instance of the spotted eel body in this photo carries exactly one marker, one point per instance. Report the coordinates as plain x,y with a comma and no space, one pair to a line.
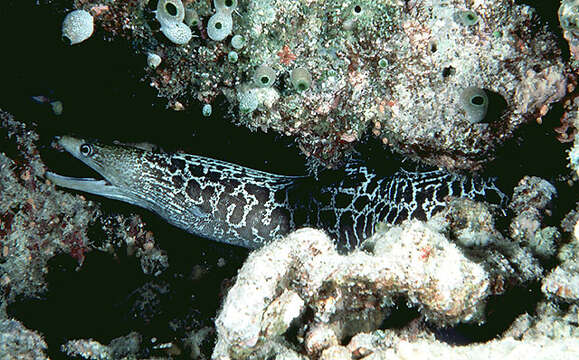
241,206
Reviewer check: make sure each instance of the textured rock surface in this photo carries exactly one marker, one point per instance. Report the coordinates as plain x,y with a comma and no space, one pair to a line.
532,202
354,293
349,303
17,342
397,68
562,283
34,224
568,15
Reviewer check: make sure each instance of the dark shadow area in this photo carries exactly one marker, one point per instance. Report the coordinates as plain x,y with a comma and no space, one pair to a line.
109,296
497,107
547,12
500,311
401,315
535,151
90,303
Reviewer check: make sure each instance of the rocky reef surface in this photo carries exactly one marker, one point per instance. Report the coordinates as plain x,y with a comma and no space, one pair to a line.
403,70
447,269
445,82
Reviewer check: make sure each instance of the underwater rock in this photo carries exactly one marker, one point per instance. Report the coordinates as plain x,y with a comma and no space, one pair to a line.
17,342
562,283
542,348
533,201
38,222
35,224
569,20
568,131
119,348
86,349
354,293
393,67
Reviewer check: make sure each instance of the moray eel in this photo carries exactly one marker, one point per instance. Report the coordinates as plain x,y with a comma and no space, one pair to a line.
245,207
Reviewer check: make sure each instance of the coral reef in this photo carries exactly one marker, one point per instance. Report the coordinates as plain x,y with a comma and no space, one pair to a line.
118,348
447,268
446,82
38,224
398,68
568,130
532,201
350,294
562,283
170,14
34,226
17,342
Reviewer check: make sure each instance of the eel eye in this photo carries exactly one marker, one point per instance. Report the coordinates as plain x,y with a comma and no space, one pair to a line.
86,150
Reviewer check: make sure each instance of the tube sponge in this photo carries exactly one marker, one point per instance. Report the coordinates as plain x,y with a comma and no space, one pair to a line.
225,6
177,32
232,56
170,14
264,76
77,26
169,11
219,26
475,102
207,110
237,41
301,79
153,60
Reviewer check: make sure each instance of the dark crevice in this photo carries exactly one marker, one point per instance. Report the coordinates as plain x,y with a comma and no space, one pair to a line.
500,311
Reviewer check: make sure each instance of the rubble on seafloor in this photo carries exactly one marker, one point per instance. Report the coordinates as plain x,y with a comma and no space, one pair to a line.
326,72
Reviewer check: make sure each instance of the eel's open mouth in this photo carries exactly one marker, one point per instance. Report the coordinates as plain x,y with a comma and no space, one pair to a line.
99,187
90,185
